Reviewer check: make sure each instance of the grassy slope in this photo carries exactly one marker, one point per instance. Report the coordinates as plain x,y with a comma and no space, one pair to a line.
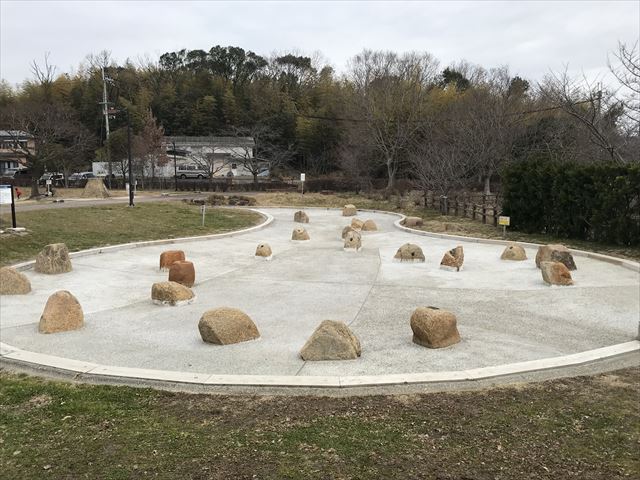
87,227
585,427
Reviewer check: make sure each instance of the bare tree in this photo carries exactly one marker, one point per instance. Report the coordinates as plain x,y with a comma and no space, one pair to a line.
389,95
627,71
149,147
206,158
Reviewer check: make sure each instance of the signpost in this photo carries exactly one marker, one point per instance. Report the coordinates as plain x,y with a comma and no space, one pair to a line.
302,178
203,210
6,198
505,222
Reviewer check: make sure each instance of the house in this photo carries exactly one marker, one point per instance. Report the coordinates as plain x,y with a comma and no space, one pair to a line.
11,141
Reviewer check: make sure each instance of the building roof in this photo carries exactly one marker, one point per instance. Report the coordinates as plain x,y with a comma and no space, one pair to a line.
14,133
210,141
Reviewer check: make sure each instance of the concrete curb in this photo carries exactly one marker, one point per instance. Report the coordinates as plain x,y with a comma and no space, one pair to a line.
86,371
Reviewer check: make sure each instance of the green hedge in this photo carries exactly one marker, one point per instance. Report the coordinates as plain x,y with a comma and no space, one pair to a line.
588,202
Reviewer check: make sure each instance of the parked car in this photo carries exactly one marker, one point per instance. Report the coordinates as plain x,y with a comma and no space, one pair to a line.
57,179
192,171
11,172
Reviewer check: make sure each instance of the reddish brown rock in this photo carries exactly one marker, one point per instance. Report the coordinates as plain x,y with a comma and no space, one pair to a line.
556,273
555,253
183,273
61,313
225,326
169,257
434,328
453,259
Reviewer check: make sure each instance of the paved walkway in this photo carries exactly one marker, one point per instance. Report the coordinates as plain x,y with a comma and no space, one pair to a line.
506,314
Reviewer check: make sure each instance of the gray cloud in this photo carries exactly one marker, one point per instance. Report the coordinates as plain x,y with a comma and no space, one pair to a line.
531,37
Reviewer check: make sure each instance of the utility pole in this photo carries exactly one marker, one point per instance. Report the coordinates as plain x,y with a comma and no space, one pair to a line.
175,167
131,186
105,110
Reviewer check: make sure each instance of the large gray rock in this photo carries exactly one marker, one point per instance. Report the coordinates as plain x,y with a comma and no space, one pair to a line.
224,326
61,313
555,253
331,341
13,282
434,328
53,259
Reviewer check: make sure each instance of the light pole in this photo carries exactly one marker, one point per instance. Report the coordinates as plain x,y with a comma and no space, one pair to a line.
129,155
175,167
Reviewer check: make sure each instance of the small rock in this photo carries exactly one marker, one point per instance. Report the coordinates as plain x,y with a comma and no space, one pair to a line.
369,226
331,341
300,217
61,313
299,233
409,252
182,272
412,222
346,230
555,253
514,252
13,282
356,224
349,210
225,326
169,257
263,250
556,273
170,293
353,240
434,328
53,259
453,259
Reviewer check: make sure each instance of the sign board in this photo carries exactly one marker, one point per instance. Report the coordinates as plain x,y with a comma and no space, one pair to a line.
302,176
5,195
504,221
48,182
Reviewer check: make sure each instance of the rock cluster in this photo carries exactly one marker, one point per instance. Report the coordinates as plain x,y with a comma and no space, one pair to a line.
53,259
264,250
555,253
61,313
353,240
514,252
331,341
409,252
224,326
13,282
170,293
349,210
169,257
556,273
183,273
299,233
434,328
453,259
300,217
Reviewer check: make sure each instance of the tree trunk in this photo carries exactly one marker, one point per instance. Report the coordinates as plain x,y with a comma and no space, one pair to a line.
391,172
487,185
255,178
34,187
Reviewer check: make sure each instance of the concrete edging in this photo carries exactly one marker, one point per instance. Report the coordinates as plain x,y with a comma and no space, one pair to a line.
81,370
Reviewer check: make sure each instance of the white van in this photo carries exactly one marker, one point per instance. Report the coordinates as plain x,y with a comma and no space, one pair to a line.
192,171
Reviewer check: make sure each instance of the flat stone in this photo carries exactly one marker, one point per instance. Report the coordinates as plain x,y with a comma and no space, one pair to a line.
332,340
300,217
225,326
434,328
53,259
299,233
555,253
556,273
349,210
183,272
264,250
61,313
453,259
169,257
170,293
353,240
409,252
13,282
514,252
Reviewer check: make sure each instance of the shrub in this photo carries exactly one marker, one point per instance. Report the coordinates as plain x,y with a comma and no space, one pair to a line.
241,200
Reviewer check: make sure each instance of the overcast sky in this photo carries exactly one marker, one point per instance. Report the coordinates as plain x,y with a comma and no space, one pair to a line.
531,37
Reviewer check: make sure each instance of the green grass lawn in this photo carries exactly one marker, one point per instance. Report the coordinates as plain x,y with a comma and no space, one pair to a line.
87,227
584,428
